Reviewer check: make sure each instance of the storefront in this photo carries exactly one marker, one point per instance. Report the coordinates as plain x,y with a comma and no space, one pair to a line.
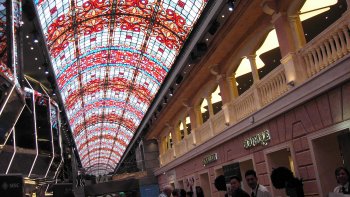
311,139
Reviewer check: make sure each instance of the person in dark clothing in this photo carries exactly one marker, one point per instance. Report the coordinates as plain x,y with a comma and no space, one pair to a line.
199,191
176,193
182,193
343,179
236,189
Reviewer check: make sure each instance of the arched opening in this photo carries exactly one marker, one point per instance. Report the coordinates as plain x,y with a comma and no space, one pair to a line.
243,75
317,15
268,57
170,141
216,100
188,124
204,110
182,130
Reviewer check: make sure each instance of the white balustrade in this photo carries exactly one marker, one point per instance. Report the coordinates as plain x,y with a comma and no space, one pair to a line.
328,47
219,122
204,132
245,104
273,85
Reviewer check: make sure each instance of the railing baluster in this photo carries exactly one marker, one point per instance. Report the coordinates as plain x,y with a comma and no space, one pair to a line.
347,38
333,48
319,57
342,42
324,56
337,45
308,65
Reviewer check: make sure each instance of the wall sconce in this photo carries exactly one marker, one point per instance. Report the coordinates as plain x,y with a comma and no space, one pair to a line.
291,84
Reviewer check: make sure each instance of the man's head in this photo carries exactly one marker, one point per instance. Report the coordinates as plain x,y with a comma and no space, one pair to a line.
342,175
167,190
252,180
235,182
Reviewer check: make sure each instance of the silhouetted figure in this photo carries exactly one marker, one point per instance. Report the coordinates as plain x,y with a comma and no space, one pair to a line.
199,191
282,177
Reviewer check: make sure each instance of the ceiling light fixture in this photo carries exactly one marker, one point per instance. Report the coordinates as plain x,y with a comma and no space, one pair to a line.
31,48
231,6
171,91
46,71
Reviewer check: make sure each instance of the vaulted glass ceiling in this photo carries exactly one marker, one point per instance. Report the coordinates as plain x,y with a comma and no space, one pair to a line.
110,58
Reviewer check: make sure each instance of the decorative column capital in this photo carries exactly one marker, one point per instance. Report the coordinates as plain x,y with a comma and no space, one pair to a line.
268,6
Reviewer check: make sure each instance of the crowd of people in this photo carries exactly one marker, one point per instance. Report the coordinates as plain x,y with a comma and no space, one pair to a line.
256,190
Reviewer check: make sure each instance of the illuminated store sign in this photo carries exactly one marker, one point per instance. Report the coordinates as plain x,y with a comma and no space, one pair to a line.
259,139
210,159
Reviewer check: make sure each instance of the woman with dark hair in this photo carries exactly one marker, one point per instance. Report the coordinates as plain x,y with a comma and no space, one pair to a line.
342,175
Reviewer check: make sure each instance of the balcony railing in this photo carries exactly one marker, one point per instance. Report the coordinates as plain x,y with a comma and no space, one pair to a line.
328,47
273,85
325,49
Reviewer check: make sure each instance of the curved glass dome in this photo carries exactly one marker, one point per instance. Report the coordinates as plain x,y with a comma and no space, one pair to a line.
110,59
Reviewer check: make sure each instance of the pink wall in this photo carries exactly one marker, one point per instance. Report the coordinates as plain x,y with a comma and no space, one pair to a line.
320,112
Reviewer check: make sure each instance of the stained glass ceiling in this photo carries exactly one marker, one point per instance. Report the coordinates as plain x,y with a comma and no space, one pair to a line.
110,58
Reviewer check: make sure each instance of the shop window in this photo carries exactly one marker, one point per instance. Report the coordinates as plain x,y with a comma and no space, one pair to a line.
216,100
205,184
331,148
280,158
188,125
317,15
236,169
204,110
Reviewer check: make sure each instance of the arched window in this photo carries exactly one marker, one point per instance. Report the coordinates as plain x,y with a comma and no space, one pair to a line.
188,124
204,110
267,58
317,15
182,131
170,141
243,75
216,100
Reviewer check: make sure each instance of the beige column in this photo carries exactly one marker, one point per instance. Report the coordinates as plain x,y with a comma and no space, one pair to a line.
225,89
210,106
196,121
254,68
297,32
174,140
195,117
233,84
256,79
291,38
185,127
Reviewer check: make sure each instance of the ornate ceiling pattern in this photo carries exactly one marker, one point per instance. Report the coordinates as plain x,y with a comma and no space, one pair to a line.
110,58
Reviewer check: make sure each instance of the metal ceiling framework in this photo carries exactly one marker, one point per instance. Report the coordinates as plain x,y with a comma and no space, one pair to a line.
110,58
